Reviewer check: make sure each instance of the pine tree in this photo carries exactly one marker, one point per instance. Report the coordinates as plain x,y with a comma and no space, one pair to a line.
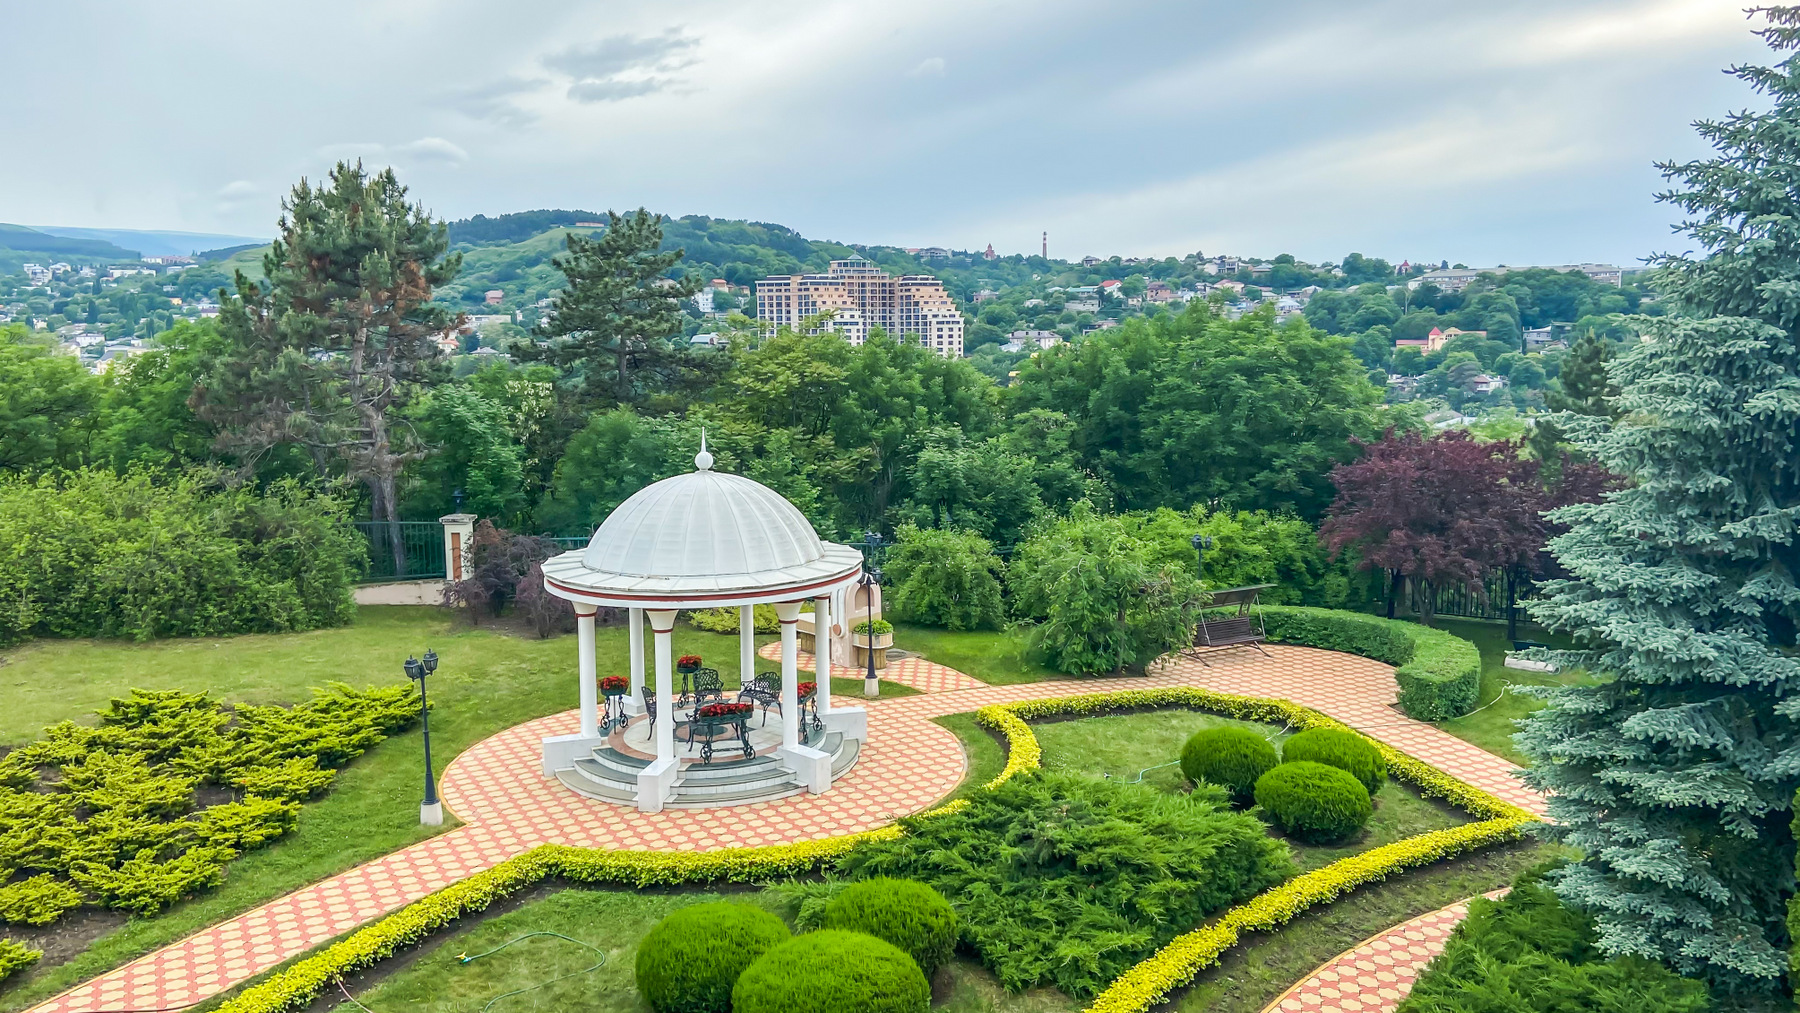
1582,386
331,348
1676,773
617,323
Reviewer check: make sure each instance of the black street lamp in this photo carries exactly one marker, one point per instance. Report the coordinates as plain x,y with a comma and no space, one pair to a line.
1201,543
431,811
870,581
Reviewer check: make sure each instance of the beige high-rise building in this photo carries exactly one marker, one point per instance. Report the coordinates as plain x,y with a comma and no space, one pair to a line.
860,296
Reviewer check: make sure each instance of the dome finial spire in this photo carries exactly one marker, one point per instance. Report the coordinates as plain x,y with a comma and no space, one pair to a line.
703,461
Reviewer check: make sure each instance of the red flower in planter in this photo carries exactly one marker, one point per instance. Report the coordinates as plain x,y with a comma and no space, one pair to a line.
806,689
614,684
688,661
714,711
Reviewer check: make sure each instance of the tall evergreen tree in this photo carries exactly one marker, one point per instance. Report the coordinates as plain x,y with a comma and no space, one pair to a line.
334,344
1675,774
617,325
1582,385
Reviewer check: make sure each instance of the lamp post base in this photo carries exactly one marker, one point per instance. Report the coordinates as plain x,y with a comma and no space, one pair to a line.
871,688
431,814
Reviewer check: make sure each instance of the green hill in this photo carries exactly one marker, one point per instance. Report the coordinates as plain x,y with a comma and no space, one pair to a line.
20,245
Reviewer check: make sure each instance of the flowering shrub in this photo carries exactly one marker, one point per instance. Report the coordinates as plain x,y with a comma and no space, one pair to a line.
613,684
806,689
688,661
718,711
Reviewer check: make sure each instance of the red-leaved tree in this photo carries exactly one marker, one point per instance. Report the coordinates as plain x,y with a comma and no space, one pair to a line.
1441,510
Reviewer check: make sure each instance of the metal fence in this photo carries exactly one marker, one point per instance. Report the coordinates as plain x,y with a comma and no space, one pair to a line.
421,555
1489,600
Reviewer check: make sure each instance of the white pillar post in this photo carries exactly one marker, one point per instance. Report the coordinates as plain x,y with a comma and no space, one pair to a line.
662,625
822,653
789,613
459,538
633,699
746,645
584,638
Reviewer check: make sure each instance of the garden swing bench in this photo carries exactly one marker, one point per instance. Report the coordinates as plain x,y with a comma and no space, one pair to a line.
1233,619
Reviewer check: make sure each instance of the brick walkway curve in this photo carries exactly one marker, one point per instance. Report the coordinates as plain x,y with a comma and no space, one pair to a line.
909,763
1375,974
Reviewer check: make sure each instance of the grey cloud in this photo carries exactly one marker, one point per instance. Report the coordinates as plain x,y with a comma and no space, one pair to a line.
623,66
495,101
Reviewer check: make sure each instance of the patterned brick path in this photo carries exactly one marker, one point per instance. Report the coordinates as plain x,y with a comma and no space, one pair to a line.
1377,973
908,763
924,676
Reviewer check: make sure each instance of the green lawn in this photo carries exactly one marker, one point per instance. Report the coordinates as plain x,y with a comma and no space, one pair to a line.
996,658
486,681
1492,728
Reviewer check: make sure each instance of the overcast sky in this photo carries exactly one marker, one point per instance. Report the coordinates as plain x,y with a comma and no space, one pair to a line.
1500,132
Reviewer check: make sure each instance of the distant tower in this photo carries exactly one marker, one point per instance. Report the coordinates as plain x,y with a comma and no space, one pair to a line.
1046,244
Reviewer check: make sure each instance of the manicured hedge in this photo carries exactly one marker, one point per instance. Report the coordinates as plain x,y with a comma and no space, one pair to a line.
1232,758
690,961
909,914
1439,673
1314,802
832,971
1347,751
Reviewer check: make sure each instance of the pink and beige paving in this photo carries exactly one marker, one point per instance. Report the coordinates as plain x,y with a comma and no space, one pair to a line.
506,807
1376,974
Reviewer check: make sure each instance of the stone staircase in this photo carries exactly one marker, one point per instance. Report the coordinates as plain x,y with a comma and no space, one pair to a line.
611,776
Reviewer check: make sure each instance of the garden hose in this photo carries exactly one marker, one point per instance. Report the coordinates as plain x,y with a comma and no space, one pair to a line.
465,958
1140,774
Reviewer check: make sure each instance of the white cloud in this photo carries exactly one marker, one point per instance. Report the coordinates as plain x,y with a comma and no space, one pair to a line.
432,149
425,151
238,189
620,67
929,67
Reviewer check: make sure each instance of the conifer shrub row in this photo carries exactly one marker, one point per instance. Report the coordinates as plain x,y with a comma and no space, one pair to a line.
107,814
1532,954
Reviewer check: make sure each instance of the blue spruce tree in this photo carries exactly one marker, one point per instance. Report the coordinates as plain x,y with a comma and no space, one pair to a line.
1675,775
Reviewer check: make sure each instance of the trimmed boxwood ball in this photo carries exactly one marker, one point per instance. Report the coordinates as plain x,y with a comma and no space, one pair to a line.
1335,747
1314,802
689,962
905,912
1230,757
833,971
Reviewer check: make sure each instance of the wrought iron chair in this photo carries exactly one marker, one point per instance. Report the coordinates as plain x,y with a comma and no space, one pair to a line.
765,692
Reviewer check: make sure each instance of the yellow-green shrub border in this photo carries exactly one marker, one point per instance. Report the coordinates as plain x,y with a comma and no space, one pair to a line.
1134,991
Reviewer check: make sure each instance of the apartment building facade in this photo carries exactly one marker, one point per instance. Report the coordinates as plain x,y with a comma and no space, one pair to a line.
860,296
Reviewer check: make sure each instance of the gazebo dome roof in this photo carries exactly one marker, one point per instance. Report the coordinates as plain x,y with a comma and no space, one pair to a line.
702,535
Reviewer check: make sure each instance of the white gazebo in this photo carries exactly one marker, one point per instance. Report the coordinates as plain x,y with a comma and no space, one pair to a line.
703,540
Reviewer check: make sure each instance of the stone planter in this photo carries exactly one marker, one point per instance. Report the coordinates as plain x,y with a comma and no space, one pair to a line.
883,641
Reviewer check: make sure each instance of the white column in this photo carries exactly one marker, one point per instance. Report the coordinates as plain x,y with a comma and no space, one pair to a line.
789,613
459,544
633,699
746,644
822,652
584,638
662,625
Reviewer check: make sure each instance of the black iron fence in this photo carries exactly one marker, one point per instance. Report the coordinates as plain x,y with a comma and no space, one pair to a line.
420,546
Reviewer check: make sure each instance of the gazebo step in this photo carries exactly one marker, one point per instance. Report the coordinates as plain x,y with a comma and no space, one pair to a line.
605,791
683,800
843,754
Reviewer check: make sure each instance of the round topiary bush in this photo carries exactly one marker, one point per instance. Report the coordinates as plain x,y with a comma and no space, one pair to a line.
1231,757
833,971
1345,750
689,962
1314,802
905,912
